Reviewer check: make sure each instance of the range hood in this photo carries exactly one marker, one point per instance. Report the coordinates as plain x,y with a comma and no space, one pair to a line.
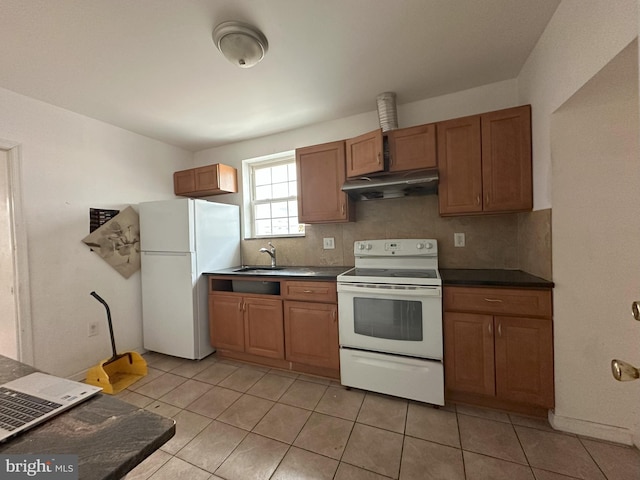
392,185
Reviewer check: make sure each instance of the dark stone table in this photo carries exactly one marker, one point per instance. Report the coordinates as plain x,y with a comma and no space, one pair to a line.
109,435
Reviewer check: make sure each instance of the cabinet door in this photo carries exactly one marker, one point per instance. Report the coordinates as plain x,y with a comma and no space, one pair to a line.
364,154
460,166
184,182
468,353
524,360
311,333
321,174
506,160
226,326
412,148
263,330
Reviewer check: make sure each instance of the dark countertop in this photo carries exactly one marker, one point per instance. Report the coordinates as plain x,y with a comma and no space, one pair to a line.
109,435
306,273
492,278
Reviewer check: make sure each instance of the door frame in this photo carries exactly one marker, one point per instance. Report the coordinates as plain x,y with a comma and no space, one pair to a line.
22,296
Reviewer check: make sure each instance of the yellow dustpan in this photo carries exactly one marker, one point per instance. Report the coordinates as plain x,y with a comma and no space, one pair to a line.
118,372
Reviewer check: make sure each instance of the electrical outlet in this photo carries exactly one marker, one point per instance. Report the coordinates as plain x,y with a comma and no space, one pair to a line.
328,243
458,240
93,329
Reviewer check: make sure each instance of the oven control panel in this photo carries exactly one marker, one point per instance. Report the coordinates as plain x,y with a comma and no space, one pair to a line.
396,247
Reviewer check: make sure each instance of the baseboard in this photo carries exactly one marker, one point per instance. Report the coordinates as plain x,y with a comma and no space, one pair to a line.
586,428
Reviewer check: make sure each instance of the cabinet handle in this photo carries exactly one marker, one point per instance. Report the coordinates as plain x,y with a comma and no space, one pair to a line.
487,199
307,291
494,300
335,317
478,199
342,209
499,329
635,309
379,158
490,329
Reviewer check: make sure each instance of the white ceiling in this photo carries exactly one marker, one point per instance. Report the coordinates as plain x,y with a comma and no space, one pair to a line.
150,66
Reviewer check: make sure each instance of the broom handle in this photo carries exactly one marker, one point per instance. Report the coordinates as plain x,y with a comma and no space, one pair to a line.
113,341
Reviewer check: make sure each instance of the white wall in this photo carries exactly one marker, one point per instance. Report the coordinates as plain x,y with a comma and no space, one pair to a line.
581,38
69,164
595,148
587,187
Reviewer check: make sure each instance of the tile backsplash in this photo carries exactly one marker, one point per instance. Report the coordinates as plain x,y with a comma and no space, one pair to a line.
509,241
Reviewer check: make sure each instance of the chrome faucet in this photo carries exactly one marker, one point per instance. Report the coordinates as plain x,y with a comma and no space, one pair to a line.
271,252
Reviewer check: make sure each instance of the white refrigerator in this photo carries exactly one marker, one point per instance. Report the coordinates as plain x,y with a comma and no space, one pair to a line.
179,240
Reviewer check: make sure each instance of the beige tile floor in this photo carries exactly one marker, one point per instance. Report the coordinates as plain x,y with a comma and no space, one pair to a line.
238,421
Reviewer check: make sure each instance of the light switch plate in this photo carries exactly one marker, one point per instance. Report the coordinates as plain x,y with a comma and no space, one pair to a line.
458,240
328,243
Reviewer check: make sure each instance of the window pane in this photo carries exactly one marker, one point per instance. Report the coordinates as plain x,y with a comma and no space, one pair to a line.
293,207
293,189
294,226
263,193
263,211
292,171
279,210
263,227
279,174
263,176
280,190
280,226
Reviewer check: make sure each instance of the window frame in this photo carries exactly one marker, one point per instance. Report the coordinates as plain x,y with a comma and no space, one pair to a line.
248,169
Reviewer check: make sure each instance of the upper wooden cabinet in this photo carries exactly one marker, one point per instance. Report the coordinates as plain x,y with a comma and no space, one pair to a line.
485,163
412,148
321,174
205,181
365,154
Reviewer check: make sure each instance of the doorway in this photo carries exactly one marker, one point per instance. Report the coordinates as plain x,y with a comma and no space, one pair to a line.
16,339
596,267
9,319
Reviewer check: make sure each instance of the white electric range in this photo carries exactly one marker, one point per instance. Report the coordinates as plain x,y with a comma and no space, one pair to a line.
390,310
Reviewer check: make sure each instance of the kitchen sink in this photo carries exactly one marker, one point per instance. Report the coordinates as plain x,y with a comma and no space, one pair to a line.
258,269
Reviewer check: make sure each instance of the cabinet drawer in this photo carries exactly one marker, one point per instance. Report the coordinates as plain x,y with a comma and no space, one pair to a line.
311,291
498,301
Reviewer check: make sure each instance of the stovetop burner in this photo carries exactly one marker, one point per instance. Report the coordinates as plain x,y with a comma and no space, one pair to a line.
391,272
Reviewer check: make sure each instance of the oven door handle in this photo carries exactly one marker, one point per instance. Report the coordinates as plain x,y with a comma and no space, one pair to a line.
404,290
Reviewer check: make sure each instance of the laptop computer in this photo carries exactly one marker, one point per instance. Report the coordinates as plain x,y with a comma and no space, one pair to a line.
35,398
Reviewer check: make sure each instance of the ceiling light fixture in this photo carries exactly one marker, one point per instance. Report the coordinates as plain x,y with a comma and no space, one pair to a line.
241,44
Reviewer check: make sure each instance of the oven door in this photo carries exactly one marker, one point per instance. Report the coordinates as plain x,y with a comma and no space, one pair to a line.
399,319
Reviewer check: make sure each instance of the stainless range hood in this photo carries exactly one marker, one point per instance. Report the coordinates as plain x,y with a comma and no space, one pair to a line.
392,185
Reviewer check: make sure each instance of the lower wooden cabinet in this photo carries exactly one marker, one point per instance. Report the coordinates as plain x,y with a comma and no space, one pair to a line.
506,356
246,324
295,329
311,333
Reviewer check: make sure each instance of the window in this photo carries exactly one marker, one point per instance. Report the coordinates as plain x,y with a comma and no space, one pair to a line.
274,196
